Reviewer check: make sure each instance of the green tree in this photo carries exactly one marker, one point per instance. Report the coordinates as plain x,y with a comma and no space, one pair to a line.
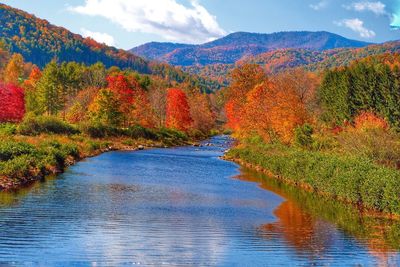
50,90
105,109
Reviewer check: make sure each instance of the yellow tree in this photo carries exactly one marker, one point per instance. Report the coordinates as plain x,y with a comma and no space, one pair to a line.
14,71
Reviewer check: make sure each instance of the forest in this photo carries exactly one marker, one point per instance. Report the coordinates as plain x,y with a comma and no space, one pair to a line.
52,116
334,133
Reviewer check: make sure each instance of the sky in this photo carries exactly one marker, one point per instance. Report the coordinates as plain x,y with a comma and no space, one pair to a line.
129,23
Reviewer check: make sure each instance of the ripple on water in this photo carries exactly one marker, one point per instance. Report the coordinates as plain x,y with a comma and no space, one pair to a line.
179,207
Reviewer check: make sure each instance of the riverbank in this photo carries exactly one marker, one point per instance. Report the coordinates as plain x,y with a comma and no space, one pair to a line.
349,179
27,159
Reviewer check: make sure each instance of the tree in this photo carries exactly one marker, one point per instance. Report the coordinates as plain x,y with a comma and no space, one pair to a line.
30,86
201,112
11,103
178,110
244,79
14,71
158,100
77,109
272,112
105,109
50,90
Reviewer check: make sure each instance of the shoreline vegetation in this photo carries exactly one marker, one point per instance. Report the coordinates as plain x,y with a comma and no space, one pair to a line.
27,157
336,133
323,176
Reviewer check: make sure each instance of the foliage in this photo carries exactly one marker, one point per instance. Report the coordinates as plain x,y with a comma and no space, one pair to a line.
303,136
178,111
105,108
369,85
40,42
45,124
12,103
353,179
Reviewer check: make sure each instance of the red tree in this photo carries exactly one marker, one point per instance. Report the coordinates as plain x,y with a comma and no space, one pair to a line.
12,104
178,110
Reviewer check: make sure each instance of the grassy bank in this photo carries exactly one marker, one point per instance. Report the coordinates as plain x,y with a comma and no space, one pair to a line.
349,178
43,146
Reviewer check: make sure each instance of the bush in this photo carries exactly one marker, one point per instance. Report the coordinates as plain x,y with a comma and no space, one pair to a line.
100,130
8,129
47,125
10,150
303,135
376,144
19,161
140,132
165,133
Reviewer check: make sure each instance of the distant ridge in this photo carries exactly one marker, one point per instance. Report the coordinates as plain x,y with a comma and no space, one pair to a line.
235,46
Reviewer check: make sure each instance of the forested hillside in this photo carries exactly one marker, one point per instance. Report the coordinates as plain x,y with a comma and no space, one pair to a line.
283,59
235,46
39,42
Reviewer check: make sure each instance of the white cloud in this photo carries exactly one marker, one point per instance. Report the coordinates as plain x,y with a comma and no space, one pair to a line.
378,7
395,22
99,37
166,18
357,26
320,5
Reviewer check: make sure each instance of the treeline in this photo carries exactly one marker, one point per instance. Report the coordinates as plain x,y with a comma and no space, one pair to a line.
372,85
94,95
335,133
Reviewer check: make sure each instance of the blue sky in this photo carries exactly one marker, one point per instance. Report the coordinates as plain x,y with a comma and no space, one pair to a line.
128,23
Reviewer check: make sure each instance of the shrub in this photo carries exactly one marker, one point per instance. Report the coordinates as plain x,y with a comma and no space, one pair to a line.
47,125
140,132
369,120
172,134
99,130
303,135
8,129
10,150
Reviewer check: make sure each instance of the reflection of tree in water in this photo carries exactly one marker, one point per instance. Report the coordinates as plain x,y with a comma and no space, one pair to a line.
308,236
304,222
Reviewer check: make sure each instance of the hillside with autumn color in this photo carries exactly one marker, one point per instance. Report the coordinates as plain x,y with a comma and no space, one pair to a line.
235,46
39,42
283,59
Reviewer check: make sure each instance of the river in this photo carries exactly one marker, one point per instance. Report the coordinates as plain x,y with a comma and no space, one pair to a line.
183,207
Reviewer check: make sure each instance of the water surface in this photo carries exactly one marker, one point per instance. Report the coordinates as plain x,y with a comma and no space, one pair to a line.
182,207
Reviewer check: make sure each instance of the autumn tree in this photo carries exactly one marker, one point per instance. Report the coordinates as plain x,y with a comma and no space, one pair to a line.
77,109
30,86
201,112
158,100
14,71
11,103
105,109
178,110
244,79
272,112
123,91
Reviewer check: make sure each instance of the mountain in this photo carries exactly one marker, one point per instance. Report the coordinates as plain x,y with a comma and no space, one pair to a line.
235,46
283,59
39,42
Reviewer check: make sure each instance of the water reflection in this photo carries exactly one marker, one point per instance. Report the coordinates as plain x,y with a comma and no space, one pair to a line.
307,223
181,207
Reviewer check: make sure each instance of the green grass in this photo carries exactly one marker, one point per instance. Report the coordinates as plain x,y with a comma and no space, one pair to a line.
349,178
20,161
